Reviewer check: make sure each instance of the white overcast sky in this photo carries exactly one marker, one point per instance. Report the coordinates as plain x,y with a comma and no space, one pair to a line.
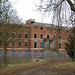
25,10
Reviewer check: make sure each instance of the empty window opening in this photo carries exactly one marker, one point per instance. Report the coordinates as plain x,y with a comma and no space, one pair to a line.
47,36
35,27
48,29
26,28
41,28
59,45
19,43
19,35
41,36
35,44
13,43
25,35
59,30
35,35
59,37
25,44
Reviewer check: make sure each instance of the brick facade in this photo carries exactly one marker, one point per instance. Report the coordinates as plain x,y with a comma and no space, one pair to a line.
32,38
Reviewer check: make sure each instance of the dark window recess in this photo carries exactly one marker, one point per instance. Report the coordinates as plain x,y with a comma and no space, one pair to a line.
41,36
13,35
59,30
26,28
0,43
47,36
25,35
19,35
13,43
67,38
13,26
35,45
19,44
35,35
32,21
41,28
25,44
35,27
67,31
47,28
59,37
59,45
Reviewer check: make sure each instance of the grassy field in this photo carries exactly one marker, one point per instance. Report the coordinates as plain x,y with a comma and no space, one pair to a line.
42,67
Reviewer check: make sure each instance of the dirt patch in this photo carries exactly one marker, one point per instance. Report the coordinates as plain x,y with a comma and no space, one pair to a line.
47,67
53,67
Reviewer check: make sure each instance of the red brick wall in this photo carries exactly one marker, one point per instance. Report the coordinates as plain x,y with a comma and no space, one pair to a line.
51,32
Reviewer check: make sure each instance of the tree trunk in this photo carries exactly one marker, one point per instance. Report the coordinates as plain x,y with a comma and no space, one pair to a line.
5,63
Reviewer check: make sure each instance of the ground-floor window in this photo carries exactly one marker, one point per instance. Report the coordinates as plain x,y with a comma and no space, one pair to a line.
25,53
41,51
35,53
0,52
41,44
59,45
13,53
7,53
19,52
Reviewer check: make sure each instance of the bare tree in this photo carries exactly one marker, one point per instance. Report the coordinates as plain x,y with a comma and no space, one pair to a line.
7,16
61,10
63,13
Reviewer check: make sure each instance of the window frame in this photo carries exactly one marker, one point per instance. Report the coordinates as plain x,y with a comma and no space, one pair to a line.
35,35
41,28
13,36
19,43
35,44
19,35
48,36
13,43
48,29
26,35
35,27
41,36
26,44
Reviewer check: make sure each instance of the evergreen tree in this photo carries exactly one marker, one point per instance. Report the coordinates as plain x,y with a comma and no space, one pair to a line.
70,45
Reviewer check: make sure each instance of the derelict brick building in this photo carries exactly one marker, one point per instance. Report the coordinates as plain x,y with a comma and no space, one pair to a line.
37,37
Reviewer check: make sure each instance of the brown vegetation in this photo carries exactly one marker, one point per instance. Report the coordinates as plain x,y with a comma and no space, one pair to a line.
42,67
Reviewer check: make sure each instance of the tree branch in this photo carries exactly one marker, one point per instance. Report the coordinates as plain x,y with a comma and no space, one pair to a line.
71,5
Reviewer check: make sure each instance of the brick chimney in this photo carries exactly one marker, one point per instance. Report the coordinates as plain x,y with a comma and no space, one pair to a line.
30,21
